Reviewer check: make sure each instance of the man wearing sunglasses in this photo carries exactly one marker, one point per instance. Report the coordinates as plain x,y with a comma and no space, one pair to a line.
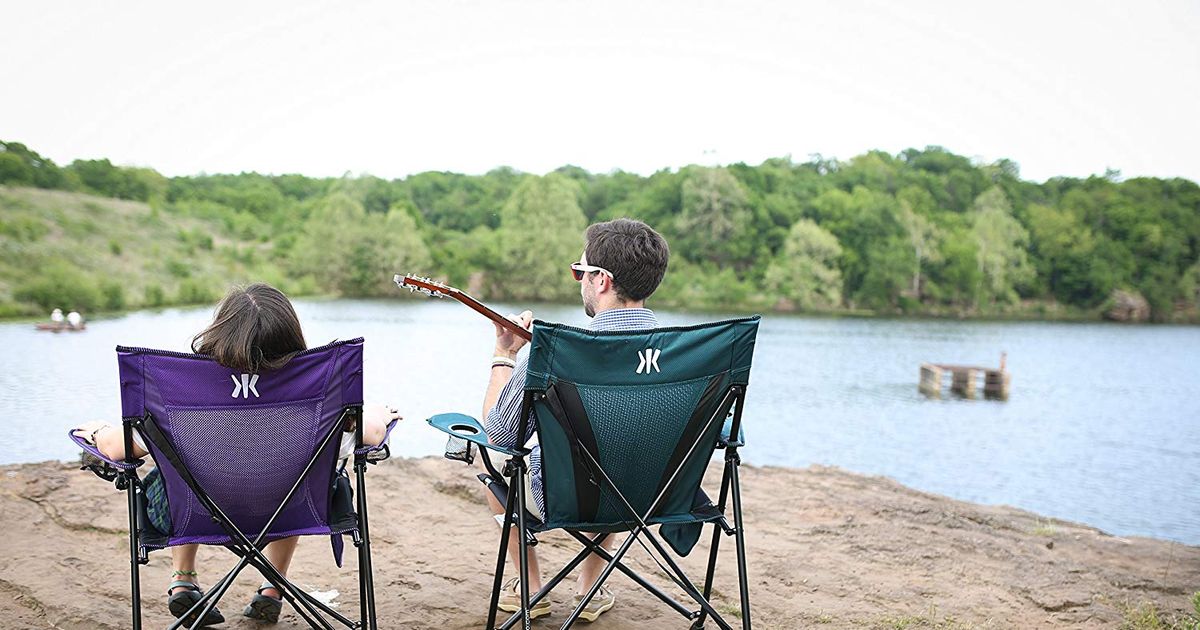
622,264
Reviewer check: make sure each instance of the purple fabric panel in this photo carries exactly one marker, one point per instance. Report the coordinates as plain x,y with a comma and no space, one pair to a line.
245,438
222,539
129,368
352,360
387,434
95,451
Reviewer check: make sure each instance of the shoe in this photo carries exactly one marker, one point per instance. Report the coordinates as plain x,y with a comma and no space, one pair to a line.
510,600
264,607
180,603
603,600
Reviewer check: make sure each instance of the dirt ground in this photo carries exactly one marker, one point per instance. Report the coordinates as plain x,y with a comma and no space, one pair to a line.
827,549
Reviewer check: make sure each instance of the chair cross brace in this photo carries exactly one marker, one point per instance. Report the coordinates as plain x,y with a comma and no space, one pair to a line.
249,551
516,471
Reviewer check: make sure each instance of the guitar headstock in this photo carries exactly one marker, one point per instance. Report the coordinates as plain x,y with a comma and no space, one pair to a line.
425,285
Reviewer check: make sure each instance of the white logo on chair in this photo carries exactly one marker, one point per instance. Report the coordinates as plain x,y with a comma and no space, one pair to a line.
245,386
649,359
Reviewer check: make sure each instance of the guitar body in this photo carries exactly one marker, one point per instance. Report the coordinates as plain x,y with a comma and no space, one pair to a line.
437,289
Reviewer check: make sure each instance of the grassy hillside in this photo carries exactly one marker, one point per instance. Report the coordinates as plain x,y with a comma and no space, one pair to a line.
78,251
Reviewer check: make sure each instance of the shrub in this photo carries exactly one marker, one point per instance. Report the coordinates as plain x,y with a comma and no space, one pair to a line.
193,291
114,295
60,286
154,295
178,268
24,229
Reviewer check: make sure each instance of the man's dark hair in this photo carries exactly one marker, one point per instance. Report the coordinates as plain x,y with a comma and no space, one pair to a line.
634,253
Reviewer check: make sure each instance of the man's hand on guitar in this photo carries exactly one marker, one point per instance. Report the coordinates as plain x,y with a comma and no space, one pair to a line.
508,343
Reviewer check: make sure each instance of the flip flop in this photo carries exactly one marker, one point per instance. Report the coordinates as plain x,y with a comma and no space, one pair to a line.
264,607
182,602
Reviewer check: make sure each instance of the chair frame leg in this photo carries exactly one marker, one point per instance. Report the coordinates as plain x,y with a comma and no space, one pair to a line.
366,570
498,581
716,543
739,538
518,488
135,586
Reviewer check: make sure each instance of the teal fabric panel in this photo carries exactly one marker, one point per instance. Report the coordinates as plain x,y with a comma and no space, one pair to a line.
620,357
639,390
637,428
558,471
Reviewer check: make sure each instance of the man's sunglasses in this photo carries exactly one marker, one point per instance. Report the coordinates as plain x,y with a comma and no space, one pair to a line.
578,269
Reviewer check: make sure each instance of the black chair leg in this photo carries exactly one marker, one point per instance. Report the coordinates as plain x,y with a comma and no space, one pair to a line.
498,581
716,541
740,539
518,488
366,577
135,586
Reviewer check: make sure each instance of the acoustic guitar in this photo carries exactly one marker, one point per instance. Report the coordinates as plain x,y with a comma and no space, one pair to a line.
439,290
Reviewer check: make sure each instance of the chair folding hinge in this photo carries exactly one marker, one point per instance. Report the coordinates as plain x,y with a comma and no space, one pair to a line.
121,483
725,527
356,538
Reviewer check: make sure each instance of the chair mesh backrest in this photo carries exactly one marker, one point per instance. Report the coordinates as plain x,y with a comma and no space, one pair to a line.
244,438
644,393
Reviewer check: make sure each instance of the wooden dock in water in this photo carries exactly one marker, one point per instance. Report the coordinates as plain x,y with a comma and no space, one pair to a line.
965,380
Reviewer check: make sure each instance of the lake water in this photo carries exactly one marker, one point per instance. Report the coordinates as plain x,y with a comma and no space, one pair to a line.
1103,425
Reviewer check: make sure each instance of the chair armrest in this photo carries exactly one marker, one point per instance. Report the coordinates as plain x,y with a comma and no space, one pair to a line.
383,444
725,440
96,452
467,428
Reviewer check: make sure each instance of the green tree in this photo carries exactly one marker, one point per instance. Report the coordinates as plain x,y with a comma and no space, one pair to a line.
14,171
1001,243
353,253
715,223
806,273
540,233
923,236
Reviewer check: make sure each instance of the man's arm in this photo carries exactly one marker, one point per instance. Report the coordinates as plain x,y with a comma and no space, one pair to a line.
499,387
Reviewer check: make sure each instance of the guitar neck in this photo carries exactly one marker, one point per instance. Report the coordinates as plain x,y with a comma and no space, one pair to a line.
478,307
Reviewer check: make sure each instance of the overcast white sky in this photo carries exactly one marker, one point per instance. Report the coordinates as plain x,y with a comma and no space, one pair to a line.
393,88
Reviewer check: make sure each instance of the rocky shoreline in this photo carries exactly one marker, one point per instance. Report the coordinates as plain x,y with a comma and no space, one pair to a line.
827,548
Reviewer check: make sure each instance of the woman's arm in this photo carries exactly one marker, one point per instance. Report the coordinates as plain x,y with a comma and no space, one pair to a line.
375,421
109,439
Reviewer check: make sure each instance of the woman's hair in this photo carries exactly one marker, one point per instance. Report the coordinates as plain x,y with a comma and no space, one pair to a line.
255,329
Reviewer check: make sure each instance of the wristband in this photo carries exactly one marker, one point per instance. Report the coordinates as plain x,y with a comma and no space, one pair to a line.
505,361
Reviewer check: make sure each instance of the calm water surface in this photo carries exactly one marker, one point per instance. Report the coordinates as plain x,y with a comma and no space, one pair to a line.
1103,425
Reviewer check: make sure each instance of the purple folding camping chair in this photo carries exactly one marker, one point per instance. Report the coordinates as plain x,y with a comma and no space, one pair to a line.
246,459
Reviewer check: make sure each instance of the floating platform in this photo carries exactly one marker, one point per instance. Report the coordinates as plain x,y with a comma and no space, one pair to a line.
966,380
60,327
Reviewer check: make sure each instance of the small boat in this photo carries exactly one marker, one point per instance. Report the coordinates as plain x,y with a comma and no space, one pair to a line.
61,327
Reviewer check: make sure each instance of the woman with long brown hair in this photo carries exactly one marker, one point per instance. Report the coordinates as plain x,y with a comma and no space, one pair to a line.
254,329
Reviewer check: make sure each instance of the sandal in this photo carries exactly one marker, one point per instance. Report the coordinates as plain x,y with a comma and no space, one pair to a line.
264,607
182,602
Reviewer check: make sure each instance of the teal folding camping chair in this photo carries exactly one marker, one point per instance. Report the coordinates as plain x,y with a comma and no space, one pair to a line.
627,422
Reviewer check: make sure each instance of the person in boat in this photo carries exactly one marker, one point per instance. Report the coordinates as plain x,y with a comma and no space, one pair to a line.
75,320
254,328
623,262
56,317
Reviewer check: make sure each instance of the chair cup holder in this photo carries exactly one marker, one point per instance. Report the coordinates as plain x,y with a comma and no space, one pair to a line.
460,449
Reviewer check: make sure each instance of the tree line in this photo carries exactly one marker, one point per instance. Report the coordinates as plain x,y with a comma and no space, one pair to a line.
920,232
